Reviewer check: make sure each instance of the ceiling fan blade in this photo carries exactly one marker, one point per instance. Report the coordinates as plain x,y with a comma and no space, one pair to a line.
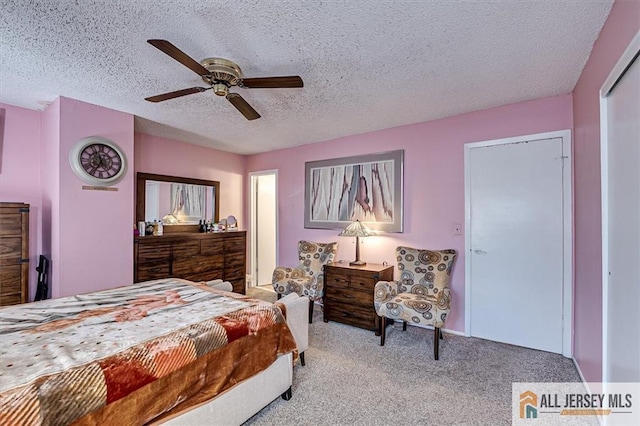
179,56
176,94
272,82
242,106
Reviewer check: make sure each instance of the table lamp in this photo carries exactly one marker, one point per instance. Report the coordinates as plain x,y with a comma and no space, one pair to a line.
357,229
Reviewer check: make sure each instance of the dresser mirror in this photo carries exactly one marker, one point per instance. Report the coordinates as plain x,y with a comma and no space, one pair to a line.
181,203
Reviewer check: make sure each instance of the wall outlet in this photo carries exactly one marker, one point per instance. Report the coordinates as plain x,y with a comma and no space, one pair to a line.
456,229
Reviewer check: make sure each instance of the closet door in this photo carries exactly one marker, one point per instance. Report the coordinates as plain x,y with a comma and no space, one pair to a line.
620,213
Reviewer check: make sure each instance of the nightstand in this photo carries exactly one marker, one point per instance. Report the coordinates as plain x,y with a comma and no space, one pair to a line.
348,293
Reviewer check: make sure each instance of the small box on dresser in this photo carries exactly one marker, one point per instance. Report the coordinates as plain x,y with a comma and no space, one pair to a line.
348,293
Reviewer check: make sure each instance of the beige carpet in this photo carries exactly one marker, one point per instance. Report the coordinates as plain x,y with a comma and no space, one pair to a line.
350,379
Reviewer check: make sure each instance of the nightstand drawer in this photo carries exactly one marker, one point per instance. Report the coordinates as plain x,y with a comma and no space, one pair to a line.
336,280
357,316
348,295
366,284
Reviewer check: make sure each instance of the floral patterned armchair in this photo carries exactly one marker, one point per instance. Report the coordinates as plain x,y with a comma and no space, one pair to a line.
308,278
421,296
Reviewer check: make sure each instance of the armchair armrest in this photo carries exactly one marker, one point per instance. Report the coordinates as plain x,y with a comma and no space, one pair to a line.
383,292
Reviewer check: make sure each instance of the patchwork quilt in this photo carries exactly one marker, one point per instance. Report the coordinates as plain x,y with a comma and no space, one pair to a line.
133,354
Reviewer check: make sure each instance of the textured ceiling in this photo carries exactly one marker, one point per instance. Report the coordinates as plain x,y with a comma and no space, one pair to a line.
366,65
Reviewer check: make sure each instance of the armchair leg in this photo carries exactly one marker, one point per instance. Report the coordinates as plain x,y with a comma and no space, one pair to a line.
383,329
436,341
440,333
404,326
302,359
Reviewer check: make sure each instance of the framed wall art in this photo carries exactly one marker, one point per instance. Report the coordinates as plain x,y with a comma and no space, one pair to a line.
368,188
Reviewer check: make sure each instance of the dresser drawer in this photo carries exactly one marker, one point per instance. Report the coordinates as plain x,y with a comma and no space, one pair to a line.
234,260
10,280
10,276
10,299
11,224
234,244
152,252
184,249
211,247
238,284
234,273
10,249
153,270
197,265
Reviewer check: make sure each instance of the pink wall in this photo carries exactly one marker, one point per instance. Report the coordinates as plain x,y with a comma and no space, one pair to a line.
96,227
621,26
433,176
169,157
20,175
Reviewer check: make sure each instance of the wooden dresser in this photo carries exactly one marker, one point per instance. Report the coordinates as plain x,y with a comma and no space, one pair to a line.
14,253
192,256
348,293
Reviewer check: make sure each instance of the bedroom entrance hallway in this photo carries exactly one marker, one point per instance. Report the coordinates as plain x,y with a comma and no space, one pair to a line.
264,226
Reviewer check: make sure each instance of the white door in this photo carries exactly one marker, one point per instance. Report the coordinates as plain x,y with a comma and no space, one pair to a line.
621,220
264,226
516,242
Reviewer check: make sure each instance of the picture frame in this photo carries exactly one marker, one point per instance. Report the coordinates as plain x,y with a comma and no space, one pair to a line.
367,187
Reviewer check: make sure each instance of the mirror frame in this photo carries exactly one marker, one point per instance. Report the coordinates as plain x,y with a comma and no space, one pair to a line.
141,189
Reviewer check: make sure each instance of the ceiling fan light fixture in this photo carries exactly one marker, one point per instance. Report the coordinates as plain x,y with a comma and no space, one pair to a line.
220,89
220,75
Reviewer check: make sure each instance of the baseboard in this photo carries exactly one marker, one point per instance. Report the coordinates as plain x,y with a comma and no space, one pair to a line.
602,420
582,379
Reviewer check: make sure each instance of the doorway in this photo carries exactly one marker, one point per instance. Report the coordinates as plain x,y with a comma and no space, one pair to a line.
264,224
518,241
620,165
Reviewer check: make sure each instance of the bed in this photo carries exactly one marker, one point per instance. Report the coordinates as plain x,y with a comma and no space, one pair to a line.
165,350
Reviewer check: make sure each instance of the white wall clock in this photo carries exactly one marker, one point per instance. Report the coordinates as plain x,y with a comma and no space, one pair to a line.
98,161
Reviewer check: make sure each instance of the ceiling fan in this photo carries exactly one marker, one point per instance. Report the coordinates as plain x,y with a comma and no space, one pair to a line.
221,74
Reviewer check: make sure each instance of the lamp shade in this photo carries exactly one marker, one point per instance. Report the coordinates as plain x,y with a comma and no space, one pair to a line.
357,229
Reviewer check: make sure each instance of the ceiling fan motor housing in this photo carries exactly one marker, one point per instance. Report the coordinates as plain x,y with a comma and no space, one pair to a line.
223,74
